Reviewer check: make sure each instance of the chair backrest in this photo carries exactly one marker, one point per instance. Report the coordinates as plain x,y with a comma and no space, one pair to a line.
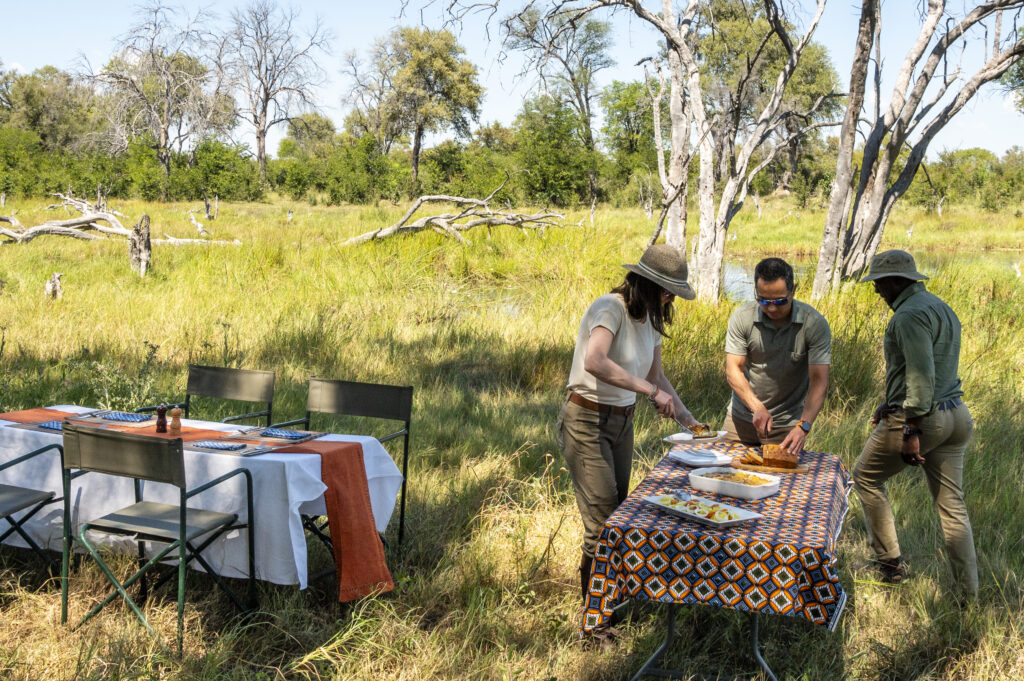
246,385
360,399
126,454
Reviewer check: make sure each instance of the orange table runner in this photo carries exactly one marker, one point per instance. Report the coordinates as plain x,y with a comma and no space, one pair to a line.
37,415
364,571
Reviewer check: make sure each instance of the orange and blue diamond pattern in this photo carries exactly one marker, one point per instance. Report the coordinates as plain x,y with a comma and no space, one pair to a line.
781,564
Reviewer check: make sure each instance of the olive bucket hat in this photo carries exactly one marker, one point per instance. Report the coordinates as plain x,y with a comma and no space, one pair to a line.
894,263
663,265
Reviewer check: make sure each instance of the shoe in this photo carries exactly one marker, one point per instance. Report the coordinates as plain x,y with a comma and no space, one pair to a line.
893,570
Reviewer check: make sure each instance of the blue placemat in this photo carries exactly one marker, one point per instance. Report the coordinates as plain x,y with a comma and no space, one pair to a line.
125,417
284,434
51,425
217,444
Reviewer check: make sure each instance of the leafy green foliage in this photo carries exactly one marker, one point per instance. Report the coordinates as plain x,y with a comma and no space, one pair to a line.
554,160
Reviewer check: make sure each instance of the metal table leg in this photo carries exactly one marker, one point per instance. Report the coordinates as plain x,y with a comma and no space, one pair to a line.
649,668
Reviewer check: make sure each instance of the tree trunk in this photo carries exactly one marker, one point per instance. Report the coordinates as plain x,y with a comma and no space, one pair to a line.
417,139
842,187
261,151
140,250
675,232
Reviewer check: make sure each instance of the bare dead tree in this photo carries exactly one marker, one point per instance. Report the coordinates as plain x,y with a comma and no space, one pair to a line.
90,224
767,124
473,213
370,93
140,250
922,102
674,180
274,66
167,81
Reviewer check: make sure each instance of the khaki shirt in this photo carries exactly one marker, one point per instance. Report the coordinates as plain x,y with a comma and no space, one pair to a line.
632,349
777,359
922,352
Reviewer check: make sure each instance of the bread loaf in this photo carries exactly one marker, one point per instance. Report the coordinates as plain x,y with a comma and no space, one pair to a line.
775,455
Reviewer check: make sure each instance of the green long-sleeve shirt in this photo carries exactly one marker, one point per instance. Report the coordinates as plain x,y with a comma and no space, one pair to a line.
922,352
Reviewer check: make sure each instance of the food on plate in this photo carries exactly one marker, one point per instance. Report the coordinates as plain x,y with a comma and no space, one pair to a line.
704,509
737,476
702,430
776,455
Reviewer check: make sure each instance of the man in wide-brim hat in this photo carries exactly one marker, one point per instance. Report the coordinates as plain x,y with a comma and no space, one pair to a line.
617,357
922,422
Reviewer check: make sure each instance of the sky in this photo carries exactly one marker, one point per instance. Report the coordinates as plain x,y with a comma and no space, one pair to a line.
61,33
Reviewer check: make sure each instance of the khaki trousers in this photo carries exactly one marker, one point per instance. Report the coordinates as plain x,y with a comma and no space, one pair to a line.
598,449
943,440
744,432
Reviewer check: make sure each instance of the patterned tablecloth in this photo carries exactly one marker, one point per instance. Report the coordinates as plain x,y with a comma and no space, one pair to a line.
782,564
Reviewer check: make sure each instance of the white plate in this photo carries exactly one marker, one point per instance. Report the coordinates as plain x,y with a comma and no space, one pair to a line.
734,489
676,438
700,457
744,514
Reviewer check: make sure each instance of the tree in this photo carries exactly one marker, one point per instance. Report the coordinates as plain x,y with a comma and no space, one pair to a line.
553,158
274,67
435,87
54,105
922,102
681,34
166,84
310,134
566,58
417,82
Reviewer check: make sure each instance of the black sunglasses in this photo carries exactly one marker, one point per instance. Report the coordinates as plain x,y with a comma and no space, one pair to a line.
765,302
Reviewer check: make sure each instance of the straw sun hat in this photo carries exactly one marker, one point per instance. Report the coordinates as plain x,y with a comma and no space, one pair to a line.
663,265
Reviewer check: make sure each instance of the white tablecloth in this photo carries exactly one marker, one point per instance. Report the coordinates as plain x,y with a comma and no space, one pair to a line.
284,486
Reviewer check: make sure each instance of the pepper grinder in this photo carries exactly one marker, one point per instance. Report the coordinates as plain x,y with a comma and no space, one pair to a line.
161,419
175,427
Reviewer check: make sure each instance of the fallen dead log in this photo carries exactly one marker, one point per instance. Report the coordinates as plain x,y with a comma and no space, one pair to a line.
475,212
92,223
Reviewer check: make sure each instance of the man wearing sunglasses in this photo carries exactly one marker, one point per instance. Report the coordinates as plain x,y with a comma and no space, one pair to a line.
778,355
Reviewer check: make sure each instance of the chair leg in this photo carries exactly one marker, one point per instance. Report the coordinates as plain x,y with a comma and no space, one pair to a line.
16,526
181,592
143,589
119,588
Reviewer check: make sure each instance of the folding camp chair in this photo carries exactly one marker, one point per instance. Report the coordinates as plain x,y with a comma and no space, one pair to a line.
184,530
14,499
373,400
244,385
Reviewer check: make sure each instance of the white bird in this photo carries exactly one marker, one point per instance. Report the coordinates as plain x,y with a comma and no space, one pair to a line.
1016,268
289,218
910,232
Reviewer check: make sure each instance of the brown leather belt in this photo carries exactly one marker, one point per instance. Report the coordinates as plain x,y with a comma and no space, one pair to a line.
597,406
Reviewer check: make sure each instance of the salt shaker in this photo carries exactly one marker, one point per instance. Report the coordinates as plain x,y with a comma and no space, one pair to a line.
161,419
175,426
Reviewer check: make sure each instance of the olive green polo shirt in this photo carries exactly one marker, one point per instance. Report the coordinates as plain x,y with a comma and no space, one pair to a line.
922,352
777,359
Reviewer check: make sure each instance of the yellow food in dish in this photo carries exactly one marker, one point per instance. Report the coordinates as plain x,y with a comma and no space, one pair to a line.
704,509
702,430
736,476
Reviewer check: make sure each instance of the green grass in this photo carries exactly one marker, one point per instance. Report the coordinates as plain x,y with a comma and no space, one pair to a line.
484,331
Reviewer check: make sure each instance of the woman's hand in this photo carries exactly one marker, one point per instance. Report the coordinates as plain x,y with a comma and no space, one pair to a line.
665,404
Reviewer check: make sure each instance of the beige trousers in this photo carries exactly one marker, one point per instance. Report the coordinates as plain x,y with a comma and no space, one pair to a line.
943,440
598,449
744,432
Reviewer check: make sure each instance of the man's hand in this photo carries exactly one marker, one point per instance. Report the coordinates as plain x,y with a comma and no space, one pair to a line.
876,418
762,421
910,452
794,442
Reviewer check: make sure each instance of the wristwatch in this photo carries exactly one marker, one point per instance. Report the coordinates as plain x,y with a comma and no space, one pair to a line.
804,426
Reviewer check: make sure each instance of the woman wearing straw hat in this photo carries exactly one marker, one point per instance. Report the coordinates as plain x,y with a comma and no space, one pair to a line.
617,356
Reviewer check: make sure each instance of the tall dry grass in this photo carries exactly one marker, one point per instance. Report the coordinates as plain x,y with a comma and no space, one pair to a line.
484,331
